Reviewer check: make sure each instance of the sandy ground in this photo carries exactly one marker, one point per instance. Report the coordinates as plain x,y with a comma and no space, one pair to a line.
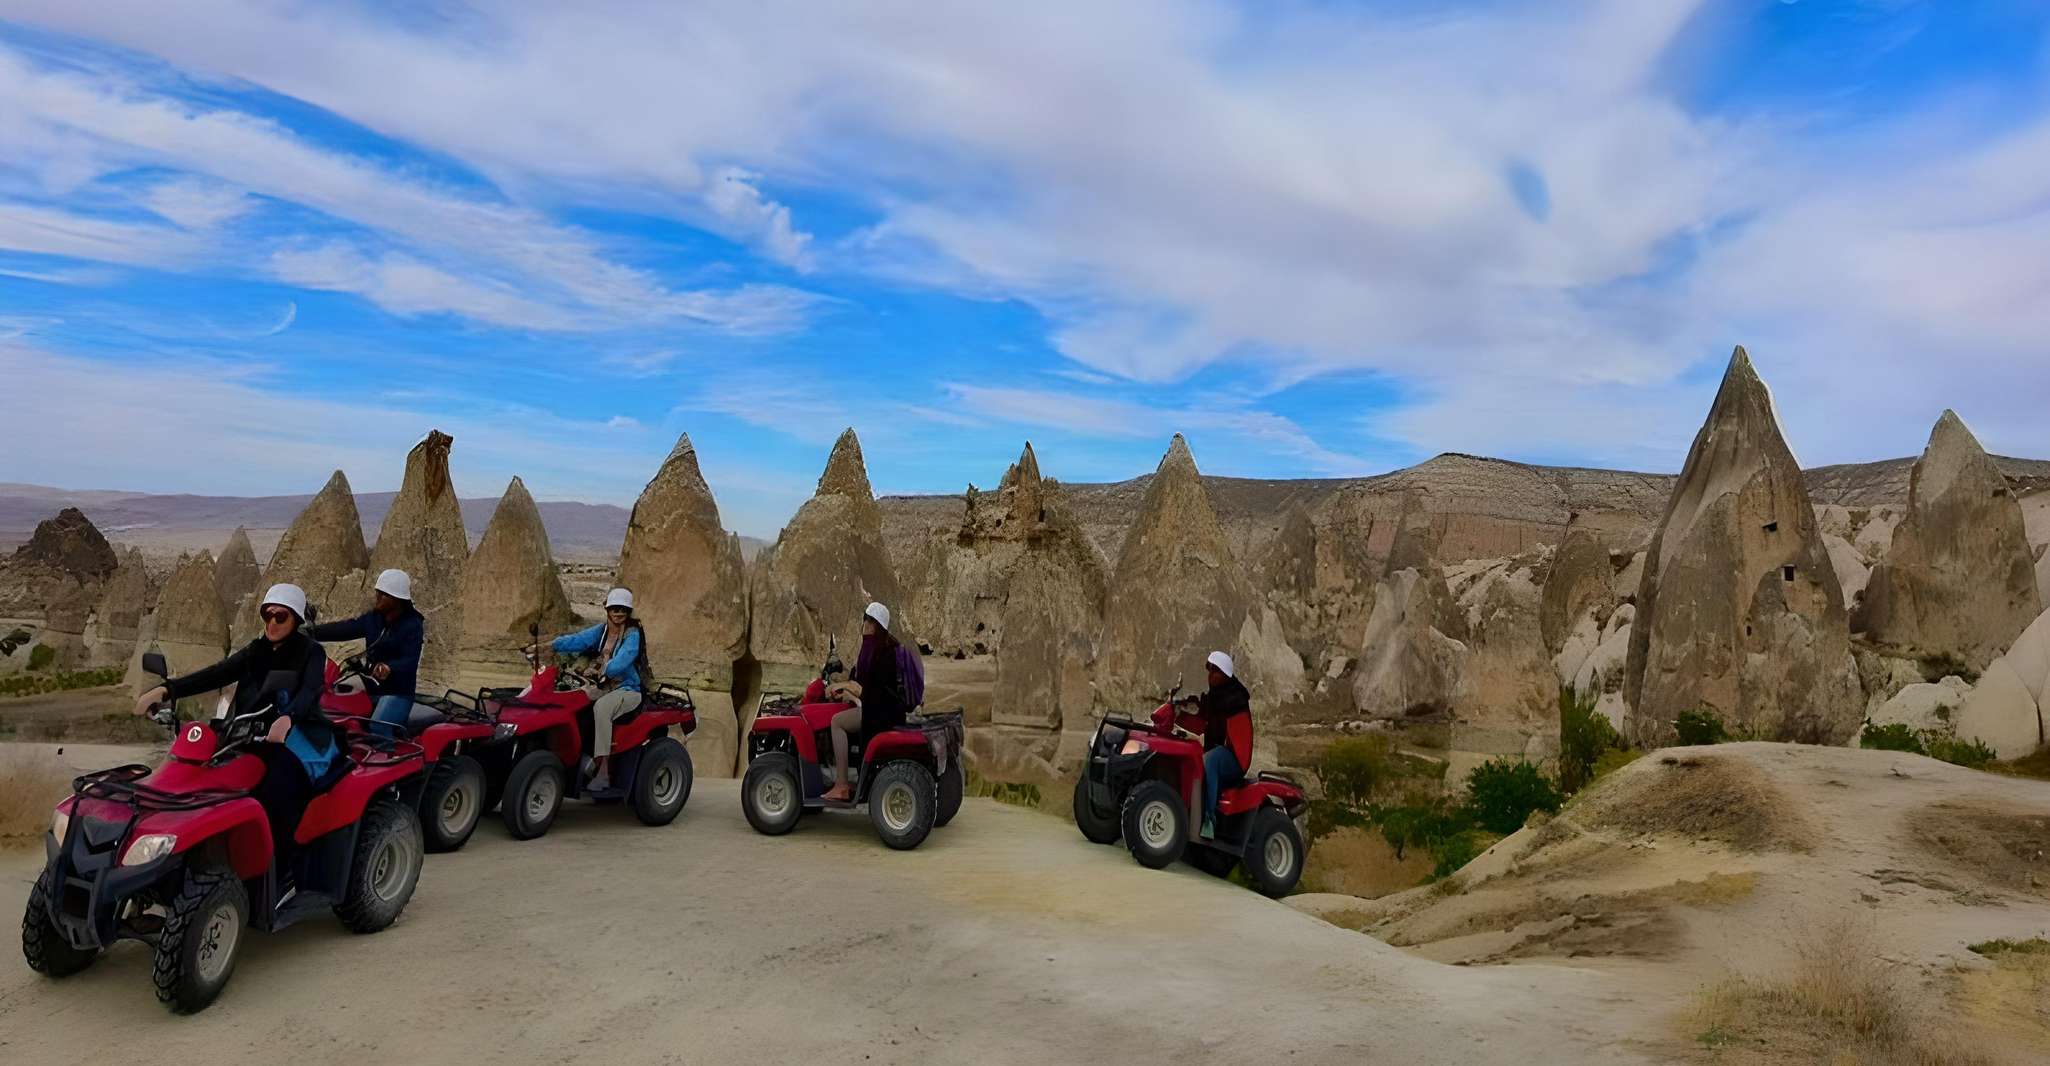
1005,938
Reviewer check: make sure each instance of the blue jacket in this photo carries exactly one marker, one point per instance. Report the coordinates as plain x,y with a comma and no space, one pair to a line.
396,645
620,666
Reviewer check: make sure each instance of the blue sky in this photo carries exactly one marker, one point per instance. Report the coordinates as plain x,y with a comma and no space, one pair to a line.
245,242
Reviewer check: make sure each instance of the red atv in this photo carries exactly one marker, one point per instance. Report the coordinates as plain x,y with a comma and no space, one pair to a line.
910,777
452,800
180,857
1144,782
545,728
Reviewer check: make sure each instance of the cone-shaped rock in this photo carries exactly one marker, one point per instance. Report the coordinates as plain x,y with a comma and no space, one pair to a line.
1176,594
322,552
1581,581
1739,611
685,570
65,554
235,573
127,596
1960,578
1053,593
956,583
191,626
423,535
825,567
1409,666
509,584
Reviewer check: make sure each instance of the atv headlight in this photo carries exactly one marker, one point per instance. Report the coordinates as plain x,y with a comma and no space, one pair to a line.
60,820
148,848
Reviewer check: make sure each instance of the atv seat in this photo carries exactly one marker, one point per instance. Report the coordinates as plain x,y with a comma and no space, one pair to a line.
422,716
587,725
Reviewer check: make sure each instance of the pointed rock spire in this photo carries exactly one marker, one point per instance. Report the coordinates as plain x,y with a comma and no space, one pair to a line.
1739,610
1960,577
322,552
423,535
128,595
509,584
191,626
825,567
1177,593
685,570
235,572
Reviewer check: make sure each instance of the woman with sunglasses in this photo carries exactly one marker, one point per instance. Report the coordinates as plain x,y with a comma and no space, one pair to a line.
285,669
621,655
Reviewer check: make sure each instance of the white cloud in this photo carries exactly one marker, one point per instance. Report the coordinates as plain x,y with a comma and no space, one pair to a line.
197,205
734,198
50,231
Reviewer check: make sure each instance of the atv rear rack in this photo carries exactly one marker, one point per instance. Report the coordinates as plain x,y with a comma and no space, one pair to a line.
123,784
376,749
457,706
669,697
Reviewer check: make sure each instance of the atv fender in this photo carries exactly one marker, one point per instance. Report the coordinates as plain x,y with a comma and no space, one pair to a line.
345,802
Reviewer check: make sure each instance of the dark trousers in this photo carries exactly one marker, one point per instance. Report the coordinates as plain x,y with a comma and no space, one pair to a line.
284,792
1220,768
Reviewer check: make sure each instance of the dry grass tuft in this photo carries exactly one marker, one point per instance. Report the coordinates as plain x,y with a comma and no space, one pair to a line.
30,785
2005,850
1700,796
1841,1003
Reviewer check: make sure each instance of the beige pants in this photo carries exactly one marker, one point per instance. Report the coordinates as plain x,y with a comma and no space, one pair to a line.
609,707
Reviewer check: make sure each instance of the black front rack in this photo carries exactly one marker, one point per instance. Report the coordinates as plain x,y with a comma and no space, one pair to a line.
123,784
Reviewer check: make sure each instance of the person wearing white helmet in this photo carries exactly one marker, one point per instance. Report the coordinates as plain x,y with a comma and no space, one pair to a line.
1224,715
886,684
282,672
621,652
392,633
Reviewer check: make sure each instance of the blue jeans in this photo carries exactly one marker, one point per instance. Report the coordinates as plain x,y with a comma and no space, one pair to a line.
391,711
1220,768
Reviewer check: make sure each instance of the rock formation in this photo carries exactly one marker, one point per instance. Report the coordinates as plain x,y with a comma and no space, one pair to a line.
509,584
322,552
423,535
1176,594
1580,584
116,623
64,555
2007,708
235,572
1412,661
1053,594
1739,611
690,591
825,567
1507,702
1960,578
190,626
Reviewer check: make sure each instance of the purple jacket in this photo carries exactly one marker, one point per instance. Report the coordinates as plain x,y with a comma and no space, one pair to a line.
909,669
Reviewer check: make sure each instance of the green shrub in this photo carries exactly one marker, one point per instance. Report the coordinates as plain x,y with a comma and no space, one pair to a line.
1327,815
1458,850
1353,767
38,684
1967,753
1895,736
1584,735
1613,760
1427,822
1502,793
1697,727
41,657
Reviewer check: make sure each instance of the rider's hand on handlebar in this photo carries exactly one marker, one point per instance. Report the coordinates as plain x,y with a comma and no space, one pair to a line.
149,699
382,671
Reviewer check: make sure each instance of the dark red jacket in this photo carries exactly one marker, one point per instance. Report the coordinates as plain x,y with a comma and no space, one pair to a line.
1224,715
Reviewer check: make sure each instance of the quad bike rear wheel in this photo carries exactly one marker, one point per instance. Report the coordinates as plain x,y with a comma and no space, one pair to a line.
42,944
202,936
903,804
661,782
386,868
1155,825
533,795
1274,853
452,803
770,795
951,789
1098,826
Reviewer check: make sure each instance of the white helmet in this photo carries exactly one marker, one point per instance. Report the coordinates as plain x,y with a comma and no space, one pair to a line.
619,598
880,613
396,584
1222,662
291,597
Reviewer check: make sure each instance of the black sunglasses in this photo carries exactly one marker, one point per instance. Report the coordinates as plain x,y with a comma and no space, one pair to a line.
280,615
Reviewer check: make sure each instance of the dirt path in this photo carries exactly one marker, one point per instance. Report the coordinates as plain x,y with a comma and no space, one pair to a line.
1006,938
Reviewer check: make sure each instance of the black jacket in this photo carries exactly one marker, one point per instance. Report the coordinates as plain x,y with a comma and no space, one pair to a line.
251,666
395,644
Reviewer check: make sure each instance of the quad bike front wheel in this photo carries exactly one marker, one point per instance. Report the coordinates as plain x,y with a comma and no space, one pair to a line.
1155,825
952,787
202,936
43,945
661,782
452,803
385,870
1274,853
770,795
903,804
533,795
1097,826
